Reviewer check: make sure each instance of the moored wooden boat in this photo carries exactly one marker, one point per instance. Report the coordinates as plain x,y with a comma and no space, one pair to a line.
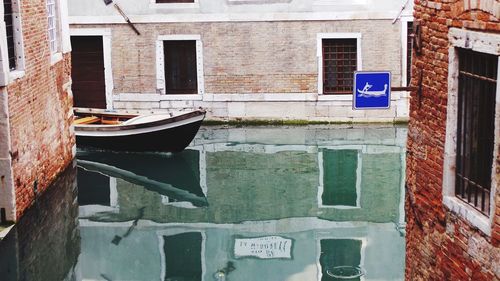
116,130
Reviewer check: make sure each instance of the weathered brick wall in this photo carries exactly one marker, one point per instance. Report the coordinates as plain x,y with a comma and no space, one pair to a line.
440,244
40,111
250,57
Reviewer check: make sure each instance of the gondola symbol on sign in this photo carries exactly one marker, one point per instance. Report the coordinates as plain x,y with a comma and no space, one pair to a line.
367,93
372,90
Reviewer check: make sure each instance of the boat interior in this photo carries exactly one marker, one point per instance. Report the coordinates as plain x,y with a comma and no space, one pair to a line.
99,117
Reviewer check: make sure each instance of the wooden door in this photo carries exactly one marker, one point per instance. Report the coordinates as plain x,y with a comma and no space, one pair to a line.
87,72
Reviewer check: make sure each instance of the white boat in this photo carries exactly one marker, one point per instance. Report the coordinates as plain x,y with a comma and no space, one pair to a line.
116,130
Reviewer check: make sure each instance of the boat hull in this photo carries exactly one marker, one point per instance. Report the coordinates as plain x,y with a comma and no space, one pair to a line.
165,136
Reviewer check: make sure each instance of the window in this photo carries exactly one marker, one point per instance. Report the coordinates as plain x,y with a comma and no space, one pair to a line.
174,1
52,25
339,56
179,66
14,53
339,64
174,4
409,49
475,127
9,26
472,121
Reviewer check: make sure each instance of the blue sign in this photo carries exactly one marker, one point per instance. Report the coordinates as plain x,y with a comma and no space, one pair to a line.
372,90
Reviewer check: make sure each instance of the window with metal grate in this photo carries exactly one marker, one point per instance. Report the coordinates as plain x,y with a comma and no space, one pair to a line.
409,50
339,64
9,26
475,128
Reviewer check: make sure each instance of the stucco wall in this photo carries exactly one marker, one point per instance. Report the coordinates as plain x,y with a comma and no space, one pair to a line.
140,9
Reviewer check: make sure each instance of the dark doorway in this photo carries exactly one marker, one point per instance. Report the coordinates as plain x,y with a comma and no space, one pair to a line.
183,256
87,72
180,67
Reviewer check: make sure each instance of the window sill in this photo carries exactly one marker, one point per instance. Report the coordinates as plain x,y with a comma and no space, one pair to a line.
237,2
468,213
55,58
346,97
180,97
175,6
339,3
16,74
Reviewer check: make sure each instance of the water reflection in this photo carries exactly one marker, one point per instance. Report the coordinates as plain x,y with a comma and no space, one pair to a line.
277,203
333,194
45,243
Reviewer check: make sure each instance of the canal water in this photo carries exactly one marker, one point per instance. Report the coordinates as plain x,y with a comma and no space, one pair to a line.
308,203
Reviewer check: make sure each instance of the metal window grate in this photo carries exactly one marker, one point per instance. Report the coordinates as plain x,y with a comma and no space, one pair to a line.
409,49
475,128
52,25
339,64
9,26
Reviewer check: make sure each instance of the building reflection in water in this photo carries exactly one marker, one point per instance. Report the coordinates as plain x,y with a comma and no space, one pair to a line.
336,194
45,243
263,203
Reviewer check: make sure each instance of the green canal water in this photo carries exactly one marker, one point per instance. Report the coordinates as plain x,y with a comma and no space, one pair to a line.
307,203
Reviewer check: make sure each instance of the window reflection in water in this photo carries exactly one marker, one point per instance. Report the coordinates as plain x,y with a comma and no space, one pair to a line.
334,194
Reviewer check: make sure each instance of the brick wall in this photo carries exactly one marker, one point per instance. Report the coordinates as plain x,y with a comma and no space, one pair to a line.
250,57
442,245
40,112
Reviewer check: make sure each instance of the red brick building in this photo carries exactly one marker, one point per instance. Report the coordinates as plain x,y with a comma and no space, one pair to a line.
36,142
453,163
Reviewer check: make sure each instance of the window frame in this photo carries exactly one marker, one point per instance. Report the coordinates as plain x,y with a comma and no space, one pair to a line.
62,29
405,37
174,5
160,65
319,54
106,34
9,75
54,27
484,43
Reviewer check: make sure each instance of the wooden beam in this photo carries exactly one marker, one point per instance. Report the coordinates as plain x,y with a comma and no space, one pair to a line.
86,120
